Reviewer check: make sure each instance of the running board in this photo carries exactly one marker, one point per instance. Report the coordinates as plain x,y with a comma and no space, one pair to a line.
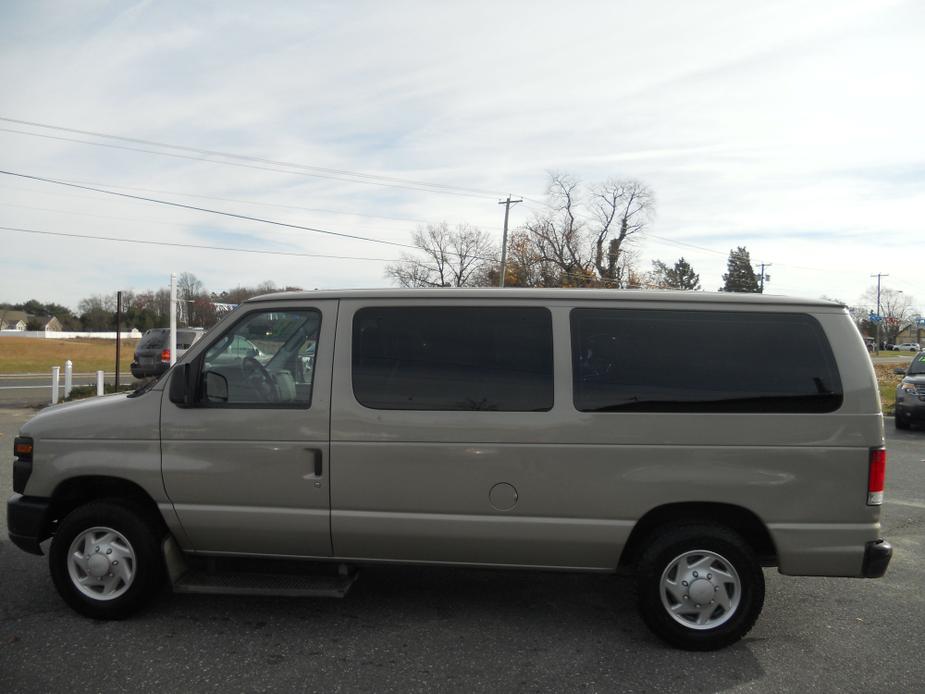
255,576
284,585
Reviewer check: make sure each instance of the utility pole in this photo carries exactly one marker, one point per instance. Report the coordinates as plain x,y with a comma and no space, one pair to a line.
507,210
173,318
118,335
879,317
761,277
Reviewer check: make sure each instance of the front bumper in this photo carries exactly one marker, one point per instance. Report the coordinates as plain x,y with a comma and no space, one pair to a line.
27,520
877,555
912,410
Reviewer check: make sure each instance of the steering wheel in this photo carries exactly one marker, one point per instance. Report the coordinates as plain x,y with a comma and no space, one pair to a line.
259,379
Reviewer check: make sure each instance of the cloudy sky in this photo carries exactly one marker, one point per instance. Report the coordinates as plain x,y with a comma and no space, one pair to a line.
792,128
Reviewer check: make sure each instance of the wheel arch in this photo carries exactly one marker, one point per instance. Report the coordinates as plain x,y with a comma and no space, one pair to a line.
77,491
738,518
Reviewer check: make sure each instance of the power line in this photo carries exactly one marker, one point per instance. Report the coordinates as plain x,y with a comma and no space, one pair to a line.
239,164
243,157
174,244
238,201
269,164
210,211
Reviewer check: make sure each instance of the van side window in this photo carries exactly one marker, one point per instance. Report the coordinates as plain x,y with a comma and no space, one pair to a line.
266,359
453,358
701,361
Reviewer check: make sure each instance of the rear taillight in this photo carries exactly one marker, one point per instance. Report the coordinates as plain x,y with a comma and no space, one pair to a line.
165,356
876,477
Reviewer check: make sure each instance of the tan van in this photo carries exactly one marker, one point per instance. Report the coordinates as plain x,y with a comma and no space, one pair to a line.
688,438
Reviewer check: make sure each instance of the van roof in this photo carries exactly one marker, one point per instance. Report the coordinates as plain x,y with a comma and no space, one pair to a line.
642,295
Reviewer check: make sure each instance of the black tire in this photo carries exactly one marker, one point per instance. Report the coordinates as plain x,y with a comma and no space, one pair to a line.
662,558
143,563
900,422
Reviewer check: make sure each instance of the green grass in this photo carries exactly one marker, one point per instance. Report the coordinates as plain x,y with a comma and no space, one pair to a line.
38,355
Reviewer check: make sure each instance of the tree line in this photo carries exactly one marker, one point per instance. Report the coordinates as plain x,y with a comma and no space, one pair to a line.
145,309
582,236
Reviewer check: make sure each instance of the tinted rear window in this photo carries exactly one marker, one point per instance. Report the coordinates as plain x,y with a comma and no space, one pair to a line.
701,361
157,339
153,340
453,358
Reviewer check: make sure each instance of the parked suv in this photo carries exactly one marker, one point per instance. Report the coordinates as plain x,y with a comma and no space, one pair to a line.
495,428
907,347
910,394
152,355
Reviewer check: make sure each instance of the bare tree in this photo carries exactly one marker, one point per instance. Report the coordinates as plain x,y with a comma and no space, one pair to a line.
896,310
188,286
460,257
621,209
586,241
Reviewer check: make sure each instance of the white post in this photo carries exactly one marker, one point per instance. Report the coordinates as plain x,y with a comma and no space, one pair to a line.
68,378
55,375
173,318
99,383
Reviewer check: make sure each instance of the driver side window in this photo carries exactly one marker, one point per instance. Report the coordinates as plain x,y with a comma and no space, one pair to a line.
265,360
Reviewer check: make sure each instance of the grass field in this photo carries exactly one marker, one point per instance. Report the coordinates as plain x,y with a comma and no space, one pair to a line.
38,355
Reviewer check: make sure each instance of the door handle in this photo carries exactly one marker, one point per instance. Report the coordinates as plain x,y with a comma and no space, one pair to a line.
317,466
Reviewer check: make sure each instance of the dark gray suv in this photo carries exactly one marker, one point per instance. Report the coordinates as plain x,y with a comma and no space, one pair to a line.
910,394
152,355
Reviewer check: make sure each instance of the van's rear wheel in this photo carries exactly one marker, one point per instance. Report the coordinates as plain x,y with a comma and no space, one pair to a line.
700,587
105,560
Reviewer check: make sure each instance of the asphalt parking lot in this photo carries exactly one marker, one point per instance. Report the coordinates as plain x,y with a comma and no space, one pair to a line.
415,629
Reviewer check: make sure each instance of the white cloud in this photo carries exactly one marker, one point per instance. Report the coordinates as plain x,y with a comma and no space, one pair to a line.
788,127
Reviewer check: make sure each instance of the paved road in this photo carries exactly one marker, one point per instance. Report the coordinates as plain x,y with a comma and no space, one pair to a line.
424,630
31,390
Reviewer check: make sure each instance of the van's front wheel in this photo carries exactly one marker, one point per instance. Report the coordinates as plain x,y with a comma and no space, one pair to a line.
105,560
700,587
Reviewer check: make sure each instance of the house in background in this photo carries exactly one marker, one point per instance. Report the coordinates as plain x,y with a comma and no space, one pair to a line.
20,320
49,323
13,320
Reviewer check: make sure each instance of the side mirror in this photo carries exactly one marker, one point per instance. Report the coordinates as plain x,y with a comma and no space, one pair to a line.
216,387
181,390
899,371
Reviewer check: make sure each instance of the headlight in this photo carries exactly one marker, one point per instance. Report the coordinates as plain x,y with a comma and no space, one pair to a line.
907,388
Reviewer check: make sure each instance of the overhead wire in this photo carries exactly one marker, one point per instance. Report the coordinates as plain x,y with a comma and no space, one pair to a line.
177,155
177,244
210,211
243,157
238,201
240,160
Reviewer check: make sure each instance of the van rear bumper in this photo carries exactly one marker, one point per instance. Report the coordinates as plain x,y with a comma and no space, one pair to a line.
877,555
830,549
27,521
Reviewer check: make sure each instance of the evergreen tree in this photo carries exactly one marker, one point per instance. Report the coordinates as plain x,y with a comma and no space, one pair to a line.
682,276
740,277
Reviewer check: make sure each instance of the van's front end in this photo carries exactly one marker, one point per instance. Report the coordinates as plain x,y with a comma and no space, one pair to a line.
67,454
